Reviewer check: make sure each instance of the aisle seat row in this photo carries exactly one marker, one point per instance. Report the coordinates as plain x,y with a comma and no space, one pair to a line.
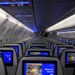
36,66
38,60
9,57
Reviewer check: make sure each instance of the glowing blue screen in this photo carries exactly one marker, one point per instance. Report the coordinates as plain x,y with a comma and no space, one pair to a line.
7,56
39,69
70,42
39,53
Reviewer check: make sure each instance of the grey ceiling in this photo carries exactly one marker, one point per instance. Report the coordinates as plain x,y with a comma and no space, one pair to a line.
44,13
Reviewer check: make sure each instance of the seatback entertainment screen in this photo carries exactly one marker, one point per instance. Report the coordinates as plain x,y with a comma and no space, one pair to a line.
40,68
70,42
70,59
38,53
7,57
60,50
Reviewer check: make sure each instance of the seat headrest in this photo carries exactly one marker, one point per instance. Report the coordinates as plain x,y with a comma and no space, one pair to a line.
48,52
65,54
14,45
12,55
40,60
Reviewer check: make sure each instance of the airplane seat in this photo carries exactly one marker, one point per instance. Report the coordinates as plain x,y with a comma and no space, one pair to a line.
37,46
39,66
18,49
67,61
53,46
22,44
38,52
2,67
11,62
60,48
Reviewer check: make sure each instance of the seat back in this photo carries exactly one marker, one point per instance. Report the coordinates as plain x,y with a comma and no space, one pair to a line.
10,59
38,52
22,45
17,48
67,61
39,66
60,48
53,46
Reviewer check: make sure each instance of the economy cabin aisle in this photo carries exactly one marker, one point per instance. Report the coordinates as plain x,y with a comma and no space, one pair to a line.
37,37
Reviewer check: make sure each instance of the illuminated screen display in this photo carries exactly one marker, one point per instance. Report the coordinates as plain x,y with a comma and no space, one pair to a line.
31,53
70,59
16,49
38,47
39,69
21,46
60,49
7,57
70,42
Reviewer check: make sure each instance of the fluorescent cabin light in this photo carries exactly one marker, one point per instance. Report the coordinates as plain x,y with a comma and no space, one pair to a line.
27,28
65,32
69,22
13,20
3,13
20,24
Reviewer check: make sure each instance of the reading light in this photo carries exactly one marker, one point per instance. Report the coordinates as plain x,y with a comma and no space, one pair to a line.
68,22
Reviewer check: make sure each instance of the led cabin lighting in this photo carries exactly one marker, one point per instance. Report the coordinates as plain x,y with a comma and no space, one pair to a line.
65,32
27,28
20,24
69,22
3,13
12,19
